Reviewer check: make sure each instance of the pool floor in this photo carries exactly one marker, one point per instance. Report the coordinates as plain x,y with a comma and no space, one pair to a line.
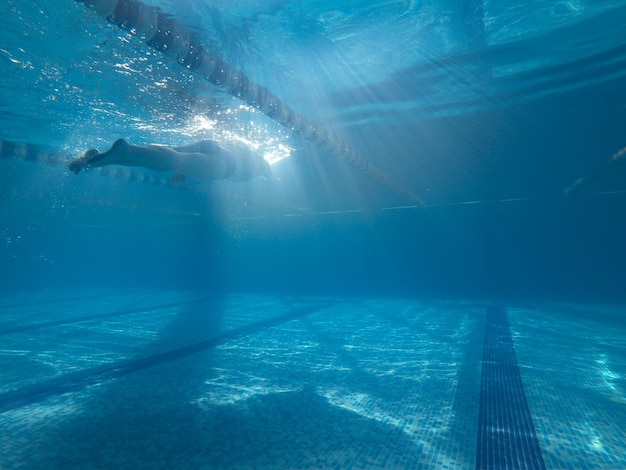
182,380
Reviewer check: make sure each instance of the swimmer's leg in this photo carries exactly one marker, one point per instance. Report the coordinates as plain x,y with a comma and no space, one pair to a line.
93,158
82,163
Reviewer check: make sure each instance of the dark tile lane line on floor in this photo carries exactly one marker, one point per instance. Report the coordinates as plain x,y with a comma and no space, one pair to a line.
35,303
96,316
506,434
77,381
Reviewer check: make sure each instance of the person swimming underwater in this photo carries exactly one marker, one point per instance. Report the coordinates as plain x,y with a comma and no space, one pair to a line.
204,160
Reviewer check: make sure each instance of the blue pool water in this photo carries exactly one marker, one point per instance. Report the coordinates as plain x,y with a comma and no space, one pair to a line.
435,281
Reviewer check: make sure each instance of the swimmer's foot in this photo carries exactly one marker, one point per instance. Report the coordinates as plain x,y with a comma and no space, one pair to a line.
85,161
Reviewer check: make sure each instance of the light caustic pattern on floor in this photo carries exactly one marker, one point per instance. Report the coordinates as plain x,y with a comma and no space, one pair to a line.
171,380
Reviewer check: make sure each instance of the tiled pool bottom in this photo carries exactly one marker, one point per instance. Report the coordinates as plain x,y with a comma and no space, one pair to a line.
173,380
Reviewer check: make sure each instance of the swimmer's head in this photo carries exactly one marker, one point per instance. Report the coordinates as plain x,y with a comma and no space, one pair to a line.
266,171
249,165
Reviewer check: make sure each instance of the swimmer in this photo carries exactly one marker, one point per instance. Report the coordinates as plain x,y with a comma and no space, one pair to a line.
203,160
